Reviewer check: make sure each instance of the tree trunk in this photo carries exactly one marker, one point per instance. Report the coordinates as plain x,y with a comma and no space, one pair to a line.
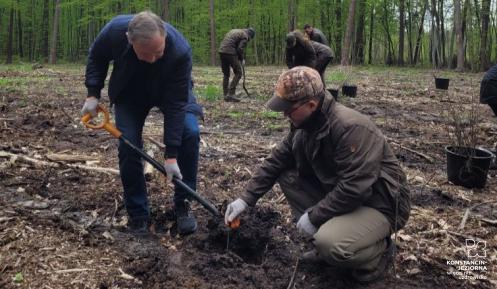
442,33
420,33
459,35
371,30
359,40
55,32
212,32
409,31
338,28
435,36
10,36
19,32
292,15
484,49
390,56
400,61
348,34
44,29
165,11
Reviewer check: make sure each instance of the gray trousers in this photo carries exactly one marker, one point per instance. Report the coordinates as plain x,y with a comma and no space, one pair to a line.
355,240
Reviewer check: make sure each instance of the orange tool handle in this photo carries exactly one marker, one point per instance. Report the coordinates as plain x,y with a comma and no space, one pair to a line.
105,124
235,224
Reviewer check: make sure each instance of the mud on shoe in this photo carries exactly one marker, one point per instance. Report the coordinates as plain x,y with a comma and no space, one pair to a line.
367,276
186,223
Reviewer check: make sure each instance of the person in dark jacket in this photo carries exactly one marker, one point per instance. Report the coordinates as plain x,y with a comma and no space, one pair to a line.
339,175
488,95
315,34
301,51
151,68
488,89
232,54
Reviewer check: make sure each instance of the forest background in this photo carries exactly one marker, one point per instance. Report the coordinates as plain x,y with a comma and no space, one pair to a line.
456,34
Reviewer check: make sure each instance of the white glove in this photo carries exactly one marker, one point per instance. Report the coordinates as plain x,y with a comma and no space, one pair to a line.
234,209
90,106
172,169
243,62
305,226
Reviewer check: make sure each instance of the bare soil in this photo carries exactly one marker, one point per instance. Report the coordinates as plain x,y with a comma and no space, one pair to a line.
62,227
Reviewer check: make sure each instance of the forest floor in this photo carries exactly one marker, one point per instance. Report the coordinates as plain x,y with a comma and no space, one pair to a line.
61,225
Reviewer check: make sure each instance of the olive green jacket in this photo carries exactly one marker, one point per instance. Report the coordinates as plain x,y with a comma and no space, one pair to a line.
234,42
350,158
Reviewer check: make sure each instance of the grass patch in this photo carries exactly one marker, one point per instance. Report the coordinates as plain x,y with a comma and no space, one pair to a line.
235,115
276,126
209,93
270,114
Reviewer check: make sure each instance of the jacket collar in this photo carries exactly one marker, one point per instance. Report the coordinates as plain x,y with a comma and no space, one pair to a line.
328,106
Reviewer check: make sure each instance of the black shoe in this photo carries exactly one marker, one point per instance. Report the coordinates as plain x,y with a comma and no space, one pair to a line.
231,98
186,223
366,276
138,228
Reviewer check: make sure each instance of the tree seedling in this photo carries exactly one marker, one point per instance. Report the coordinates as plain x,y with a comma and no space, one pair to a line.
18,278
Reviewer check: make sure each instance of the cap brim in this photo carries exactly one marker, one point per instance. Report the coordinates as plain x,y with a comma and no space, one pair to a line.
276,103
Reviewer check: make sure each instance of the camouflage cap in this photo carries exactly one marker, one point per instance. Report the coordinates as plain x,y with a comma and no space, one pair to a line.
298,84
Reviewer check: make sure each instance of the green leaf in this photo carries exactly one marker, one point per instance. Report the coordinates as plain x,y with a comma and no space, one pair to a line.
18,278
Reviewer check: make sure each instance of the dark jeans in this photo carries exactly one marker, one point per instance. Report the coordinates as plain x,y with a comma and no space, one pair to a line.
130,120
321,65
230,61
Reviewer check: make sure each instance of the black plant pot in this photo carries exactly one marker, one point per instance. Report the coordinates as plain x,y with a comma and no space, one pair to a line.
468,167
349,90
333,92
442,83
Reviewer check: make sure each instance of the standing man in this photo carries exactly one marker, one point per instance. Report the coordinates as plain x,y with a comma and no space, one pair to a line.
339,175
151,68
315,34
232,54
301,51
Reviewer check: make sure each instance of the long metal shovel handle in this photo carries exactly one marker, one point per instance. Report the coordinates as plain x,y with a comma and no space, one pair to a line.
243,82
106,125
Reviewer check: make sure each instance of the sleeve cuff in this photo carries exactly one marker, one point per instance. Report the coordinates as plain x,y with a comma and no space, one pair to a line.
92,91
171,152
317,222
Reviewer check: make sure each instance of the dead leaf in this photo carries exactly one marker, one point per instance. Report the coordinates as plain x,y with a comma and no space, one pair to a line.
413,271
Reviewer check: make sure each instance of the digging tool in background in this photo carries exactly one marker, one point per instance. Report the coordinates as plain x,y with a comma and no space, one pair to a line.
243,82
106,125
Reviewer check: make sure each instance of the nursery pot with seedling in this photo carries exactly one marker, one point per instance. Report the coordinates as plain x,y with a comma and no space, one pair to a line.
468,167
349,90
442,83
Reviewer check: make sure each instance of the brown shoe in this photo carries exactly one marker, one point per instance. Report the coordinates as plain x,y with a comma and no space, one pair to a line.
231,98
367,276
